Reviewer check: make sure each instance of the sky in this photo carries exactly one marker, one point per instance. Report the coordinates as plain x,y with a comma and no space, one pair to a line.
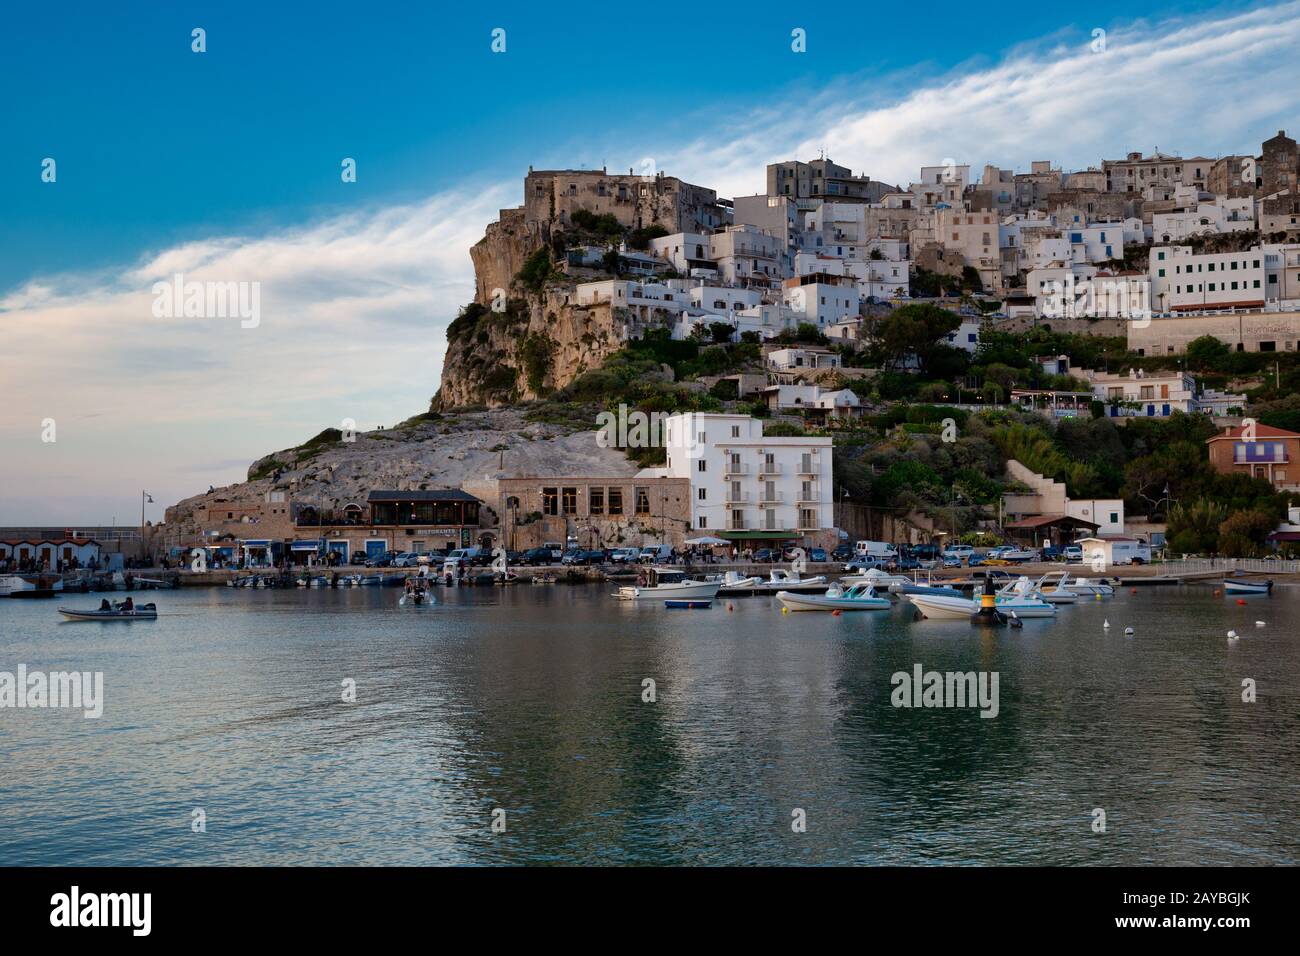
225,165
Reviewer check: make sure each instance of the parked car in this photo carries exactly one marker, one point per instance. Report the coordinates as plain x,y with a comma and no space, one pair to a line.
624,555
974,560
536,556
817,554
842,553
407,559
464,556
383,560
907,562
860,564
958,551
580,556
358,557
1073,553
766,556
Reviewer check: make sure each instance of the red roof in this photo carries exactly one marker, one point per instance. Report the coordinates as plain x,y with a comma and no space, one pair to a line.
1261,431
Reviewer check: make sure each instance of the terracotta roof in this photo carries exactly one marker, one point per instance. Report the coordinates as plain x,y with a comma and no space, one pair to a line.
1261,431
1038,521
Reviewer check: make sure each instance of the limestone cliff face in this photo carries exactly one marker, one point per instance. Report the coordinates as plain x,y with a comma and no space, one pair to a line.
502,252
541,342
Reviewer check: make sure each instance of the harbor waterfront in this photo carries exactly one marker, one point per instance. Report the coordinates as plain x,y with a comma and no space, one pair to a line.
532,700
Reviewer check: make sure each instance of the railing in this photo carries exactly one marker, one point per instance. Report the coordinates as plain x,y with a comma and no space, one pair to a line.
809,497
1266,565
735,468
734,525
769,468
737,498
771,497
813,469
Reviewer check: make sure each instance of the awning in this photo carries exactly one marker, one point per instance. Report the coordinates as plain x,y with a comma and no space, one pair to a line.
262,543
706,540
307,545
759,535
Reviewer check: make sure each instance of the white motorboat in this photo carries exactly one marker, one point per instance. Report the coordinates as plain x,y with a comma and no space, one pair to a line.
733,582
1086,587
658,584
1018,597
881,580
779,579
1054,588
858,597
30,585
416,599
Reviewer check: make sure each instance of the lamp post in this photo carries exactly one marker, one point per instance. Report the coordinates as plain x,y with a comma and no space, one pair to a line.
144,497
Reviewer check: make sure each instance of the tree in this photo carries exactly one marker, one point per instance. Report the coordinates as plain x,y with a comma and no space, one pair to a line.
914,330
1207,353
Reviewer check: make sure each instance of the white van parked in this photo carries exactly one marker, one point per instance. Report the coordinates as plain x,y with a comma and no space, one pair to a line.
876,549
656,554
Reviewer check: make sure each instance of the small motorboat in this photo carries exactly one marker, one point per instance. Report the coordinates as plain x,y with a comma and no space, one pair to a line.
1054,588
1089,587
859,597
30,585
141,612
1017,596
1243,586
370,581
660,583
416,599
779,579
880,580
733,582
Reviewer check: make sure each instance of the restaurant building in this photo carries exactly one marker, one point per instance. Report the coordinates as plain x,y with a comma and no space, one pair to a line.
594,512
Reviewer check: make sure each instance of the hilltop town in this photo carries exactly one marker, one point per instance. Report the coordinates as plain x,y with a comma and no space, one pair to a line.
1019,356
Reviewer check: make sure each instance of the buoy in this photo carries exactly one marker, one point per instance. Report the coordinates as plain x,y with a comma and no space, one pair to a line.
988,614
1259,623
785,610
1128,632
836,613
1241,601
730,606
1015,620
1217,592
1105,625
1232,635
1132,590
1096,597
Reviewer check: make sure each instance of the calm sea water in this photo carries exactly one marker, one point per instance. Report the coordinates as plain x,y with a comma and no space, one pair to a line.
529,699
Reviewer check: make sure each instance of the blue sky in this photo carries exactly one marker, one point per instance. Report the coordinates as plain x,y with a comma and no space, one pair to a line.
228,161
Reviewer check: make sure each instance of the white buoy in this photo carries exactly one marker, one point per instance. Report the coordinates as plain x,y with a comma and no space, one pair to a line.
1259,623
1106,624
1128,632
1232,635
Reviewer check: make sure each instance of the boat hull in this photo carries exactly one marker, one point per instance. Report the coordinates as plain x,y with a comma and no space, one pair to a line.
140,614
961,609
693,590
820,602
1247,587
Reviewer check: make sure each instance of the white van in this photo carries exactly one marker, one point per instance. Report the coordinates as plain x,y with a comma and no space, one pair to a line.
876,549
656,554
1130,552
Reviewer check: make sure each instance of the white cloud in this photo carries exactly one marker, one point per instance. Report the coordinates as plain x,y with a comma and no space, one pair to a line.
1209,86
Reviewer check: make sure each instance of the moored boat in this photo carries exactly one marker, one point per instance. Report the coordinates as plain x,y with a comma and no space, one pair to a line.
1018,597
662,583
858,597
30,585
733,582
1245,586
779,579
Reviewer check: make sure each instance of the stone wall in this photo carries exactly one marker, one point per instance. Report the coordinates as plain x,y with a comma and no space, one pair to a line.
1247,329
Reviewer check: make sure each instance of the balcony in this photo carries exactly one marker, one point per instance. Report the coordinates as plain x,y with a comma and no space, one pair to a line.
810,469
810,497
734,468
737,498
769,498
769,469
734,525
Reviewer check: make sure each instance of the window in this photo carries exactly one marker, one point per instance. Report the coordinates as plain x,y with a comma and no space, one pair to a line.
550,502
699,465
642,500
704,522
615,500
735,431
703,494
569,501
596,501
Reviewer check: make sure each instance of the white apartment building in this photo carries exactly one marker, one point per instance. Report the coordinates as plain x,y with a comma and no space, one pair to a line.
644,300
685,251
822,303
723,299
966,336
881,279
745,485
1282,277
748,256
767,319
813,401
1184,281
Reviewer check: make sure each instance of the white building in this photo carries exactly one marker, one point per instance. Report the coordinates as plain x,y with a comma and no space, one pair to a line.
966,336
822,302
748,256
684,251
1200,218
1184,281
1154,395
743,482
813,400
802,359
